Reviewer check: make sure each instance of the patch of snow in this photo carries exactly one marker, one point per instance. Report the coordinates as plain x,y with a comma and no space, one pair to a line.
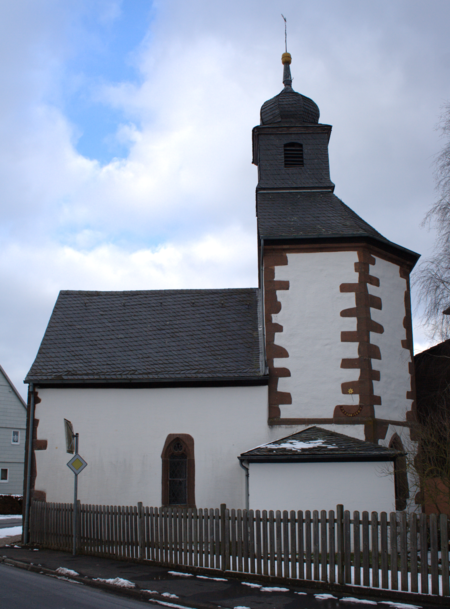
362,601
241,607
216,579
296,445
66,579
251,585
153,600
16,547
399,605
169,595
118,581
151,591
273,589
300,593
324,597
11,531
180,574
6,516
63,571
35,549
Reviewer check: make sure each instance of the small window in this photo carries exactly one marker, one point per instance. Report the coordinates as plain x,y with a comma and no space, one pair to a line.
3,475
15,437
293,155
178,479
178,471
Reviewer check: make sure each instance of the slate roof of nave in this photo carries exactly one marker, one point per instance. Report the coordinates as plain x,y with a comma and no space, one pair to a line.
318,444
152,335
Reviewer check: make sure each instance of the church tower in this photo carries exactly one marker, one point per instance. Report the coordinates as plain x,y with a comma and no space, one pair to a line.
338,330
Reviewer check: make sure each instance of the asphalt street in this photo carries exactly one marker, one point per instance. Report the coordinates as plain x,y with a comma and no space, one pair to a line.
5,523
20,589
35,582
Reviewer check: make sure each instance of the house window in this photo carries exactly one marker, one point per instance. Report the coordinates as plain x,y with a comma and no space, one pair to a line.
4,475
293,155
400,475
178,471
15,437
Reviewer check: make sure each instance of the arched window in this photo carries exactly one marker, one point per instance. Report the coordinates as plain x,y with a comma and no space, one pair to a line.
400,475
178,471
293,155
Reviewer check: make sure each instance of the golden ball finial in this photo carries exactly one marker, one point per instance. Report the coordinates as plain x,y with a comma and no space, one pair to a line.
286,59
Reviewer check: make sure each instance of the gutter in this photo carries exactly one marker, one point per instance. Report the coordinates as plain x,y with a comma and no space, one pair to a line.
29,461
149,382
318,458
381,242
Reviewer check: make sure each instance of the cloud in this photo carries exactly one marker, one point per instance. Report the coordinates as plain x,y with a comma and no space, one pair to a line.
177,209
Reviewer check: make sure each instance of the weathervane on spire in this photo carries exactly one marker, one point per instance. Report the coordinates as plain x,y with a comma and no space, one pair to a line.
285,33
286,59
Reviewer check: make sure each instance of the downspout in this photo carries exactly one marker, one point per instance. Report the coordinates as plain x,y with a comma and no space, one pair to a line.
29,461
247,483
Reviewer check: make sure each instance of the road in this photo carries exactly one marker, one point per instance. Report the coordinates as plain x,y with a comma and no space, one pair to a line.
5,523
20,589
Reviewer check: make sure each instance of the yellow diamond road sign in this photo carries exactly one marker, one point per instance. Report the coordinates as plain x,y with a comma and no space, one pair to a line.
77,464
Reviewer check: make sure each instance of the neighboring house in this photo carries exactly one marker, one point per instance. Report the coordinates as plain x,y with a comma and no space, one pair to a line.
433,409
13,419
170,390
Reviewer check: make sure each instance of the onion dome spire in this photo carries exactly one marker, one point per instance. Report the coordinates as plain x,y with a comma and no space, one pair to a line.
289,107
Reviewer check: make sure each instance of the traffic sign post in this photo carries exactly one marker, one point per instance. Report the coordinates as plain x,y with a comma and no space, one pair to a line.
77,465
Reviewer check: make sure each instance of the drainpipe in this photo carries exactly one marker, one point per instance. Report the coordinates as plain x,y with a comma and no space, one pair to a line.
29,455
247,483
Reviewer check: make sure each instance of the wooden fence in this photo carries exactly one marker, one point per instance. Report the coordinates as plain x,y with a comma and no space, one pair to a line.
394,551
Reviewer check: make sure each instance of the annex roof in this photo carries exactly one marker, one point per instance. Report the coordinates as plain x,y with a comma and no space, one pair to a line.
316,444
152,335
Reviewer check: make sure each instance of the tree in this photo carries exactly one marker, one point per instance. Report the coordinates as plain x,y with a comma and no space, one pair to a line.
432,277
433,459
431,465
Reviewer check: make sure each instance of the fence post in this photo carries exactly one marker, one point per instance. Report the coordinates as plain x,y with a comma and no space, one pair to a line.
223,536
340,540
434,554
443,521
78,540
140,530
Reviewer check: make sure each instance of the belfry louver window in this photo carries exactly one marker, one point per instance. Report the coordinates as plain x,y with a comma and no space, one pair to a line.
293,155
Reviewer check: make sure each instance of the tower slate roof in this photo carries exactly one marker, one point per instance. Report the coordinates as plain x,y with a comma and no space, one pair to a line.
309,214
152,335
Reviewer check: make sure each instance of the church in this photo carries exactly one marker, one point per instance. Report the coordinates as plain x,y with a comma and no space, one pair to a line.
297,394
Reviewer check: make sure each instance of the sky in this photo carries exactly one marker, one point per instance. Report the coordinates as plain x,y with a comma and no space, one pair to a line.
125,148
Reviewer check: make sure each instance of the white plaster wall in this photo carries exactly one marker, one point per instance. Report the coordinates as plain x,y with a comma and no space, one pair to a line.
395,379
321,486
122,433
312,326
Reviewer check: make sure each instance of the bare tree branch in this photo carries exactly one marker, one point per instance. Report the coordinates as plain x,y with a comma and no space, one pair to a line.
432,276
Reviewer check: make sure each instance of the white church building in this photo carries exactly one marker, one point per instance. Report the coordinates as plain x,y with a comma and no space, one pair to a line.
297,394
